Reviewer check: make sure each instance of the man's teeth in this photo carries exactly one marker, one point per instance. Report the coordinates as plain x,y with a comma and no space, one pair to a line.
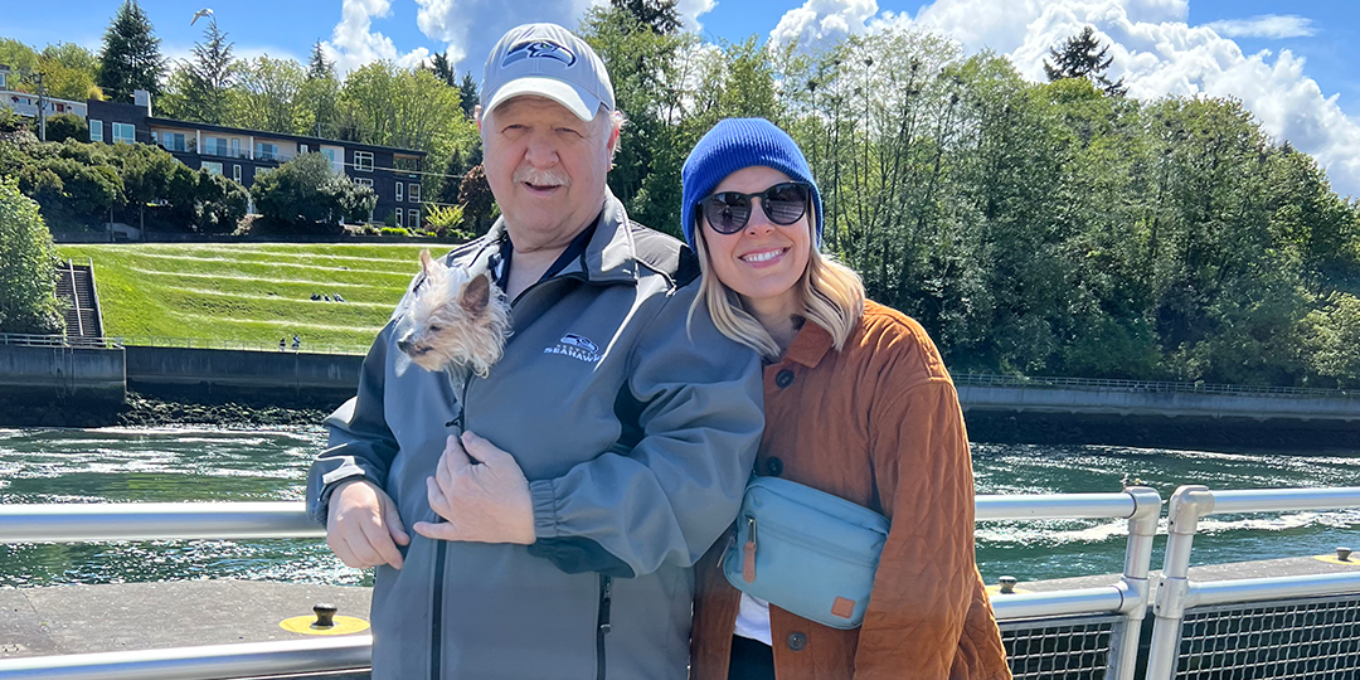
762,257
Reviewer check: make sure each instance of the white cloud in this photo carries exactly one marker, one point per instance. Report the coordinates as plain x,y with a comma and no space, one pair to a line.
1265,26
819,21
353,43
691,10
1154,50
470,28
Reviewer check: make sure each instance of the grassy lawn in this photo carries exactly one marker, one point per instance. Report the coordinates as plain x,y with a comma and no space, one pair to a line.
251,294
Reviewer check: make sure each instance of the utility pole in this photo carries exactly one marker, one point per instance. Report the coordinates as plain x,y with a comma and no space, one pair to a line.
42,107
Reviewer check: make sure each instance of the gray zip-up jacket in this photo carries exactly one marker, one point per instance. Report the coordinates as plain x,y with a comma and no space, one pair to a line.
637,433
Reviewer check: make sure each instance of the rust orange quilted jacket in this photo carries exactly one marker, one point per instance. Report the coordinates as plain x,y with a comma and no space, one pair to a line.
877,423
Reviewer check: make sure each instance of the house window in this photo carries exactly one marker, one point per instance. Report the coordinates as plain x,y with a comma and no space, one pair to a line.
236,172
171,141
124,133
399,198
266,152
302,148
96,130
413,218
415,192
330,156
215,146
260,172
363,161
213,167
235,148
363,182
400,222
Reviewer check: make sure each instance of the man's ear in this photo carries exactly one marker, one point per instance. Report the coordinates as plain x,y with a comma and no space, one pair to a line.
477,116
476,295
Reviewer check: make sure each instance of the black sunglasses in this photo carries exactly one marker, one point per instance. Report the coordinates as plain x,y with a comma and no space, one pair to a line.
729,211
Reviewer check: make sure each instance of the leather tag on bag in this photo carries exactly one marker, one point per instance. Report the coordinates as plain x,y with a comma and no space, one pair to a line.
843,608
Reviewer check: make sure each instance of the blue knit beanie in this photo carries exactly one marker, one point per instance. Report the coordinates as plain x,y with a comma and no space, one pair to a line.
737,143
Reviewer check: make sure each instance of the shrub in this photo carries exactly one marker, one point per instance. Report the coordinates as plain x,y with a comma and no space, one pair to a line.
306,194
28,282
395,231
64,126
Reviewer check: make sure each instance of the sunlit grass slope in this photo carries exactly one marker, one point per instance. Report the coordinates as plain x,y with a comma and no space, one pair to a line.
251,293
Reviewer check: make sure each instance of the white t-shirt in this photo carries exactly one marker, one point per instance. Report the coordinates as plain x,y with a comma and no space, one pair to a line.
753,619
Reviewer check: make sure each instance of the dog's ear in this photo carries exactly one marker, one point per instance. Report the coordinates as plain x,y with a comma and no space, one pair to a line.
425,261
476,295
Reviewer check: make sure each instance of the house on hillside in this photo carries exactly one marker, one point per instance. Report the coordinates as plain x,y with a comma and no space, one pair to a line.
243,155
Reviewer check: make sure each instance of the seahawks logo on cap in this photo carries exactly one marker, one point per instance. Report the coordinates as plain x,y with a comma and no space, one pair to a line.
538,49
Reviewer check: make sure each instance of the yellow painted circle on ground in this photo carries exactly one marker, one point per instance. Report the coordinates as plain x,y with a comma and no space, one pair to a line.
344,625
1354,561
995,591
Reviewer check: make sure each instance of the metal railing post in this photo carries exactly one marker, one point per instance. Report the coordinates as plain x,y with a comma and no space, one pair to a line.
1123,659
1188,504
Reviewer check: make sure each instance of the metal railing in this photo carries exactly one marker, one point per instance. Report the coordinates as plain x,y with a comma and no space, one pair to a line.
1296,626
247,345
26,340
1120,607
1181,602
987,380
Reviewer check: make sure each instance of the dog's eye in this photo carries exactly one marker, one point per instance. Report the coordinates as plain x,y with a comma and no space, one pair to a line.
436,329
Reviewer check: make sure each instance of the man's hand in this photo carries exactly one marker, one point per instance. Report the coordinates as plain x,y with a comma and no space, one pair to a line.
486,503
363,527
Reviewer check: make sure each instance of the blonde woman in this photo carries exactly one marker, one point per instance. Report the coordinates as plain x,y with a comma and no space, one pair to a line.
857,404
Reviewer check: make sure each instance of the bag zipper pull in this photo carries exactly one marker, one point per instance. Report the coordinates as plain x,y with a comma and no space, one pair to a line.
748,563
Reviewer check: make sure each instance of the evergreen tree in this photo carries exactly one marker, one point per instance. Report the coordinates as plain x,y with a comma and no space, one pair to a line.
131,58
452,184
1082,56
318,66
468,91
209,76
443,69
661,16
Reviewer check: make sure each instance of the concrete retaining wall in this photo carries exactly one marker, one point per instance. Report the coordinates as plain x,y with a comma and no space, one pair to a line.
243,371
1260,407
44,373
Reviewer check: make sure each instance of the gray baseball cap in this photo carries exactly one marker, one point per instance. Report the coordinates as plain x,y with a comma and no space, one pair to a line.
547,60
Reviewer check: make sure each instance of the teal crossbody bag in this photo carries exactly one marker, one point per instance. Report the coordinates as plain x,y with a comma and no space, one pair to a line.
806,551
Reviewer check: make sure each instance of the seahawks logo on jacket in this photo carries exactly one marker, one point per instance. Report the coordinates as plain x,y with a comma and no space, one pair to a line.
577,347
538,49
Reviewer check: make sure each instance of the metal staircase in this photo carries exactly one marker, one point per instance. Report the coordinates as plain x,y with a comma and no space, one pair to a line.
75,285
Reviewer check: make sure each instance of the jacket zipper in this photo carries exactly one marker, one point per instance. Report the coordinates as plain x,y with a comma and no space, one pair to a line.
602,628
440,556
748,562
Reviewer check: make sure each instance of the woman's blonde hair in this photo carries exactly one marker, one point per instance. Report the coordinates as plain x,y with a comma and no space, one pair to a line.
831,293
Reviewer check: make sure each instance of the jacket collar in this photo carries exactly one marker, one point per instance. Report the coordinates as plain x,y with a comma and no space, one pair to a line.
610,257
810,345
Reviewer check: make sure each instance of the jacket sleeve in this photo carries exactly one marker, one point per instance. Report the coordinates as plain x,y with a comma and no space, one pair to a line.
699,412
925,578
361,445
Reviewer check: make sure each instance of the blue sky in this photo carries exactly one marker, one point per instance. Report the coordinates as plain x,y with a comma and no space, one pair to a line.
1292,64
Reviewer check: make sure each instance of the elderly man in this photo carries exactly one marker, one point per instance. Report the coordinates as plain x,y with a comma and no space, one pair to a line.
543,523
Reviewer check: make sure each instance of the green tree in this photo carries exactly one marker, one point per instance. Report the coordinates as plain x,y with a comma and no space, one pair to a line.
28,282
442,69
220,203
1082,56
319,97
209,76
467,92
267,96
70,72
131,57
661,16
477,200
406,108
306,194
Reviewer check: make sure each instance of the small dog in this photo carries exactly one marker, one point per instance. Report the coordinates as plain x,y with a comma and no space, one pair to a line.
455,319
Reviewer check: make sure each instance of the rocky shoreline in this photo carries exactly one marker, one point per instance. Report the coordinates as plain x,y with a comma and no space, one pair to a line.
153,411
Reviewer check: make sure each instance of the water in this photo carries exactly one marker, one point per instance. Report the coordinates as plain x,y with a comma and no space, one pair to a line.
215,464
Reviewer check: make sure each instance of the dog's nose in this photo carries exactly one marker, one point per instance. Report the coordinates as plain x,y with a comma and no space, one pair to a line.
404,345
